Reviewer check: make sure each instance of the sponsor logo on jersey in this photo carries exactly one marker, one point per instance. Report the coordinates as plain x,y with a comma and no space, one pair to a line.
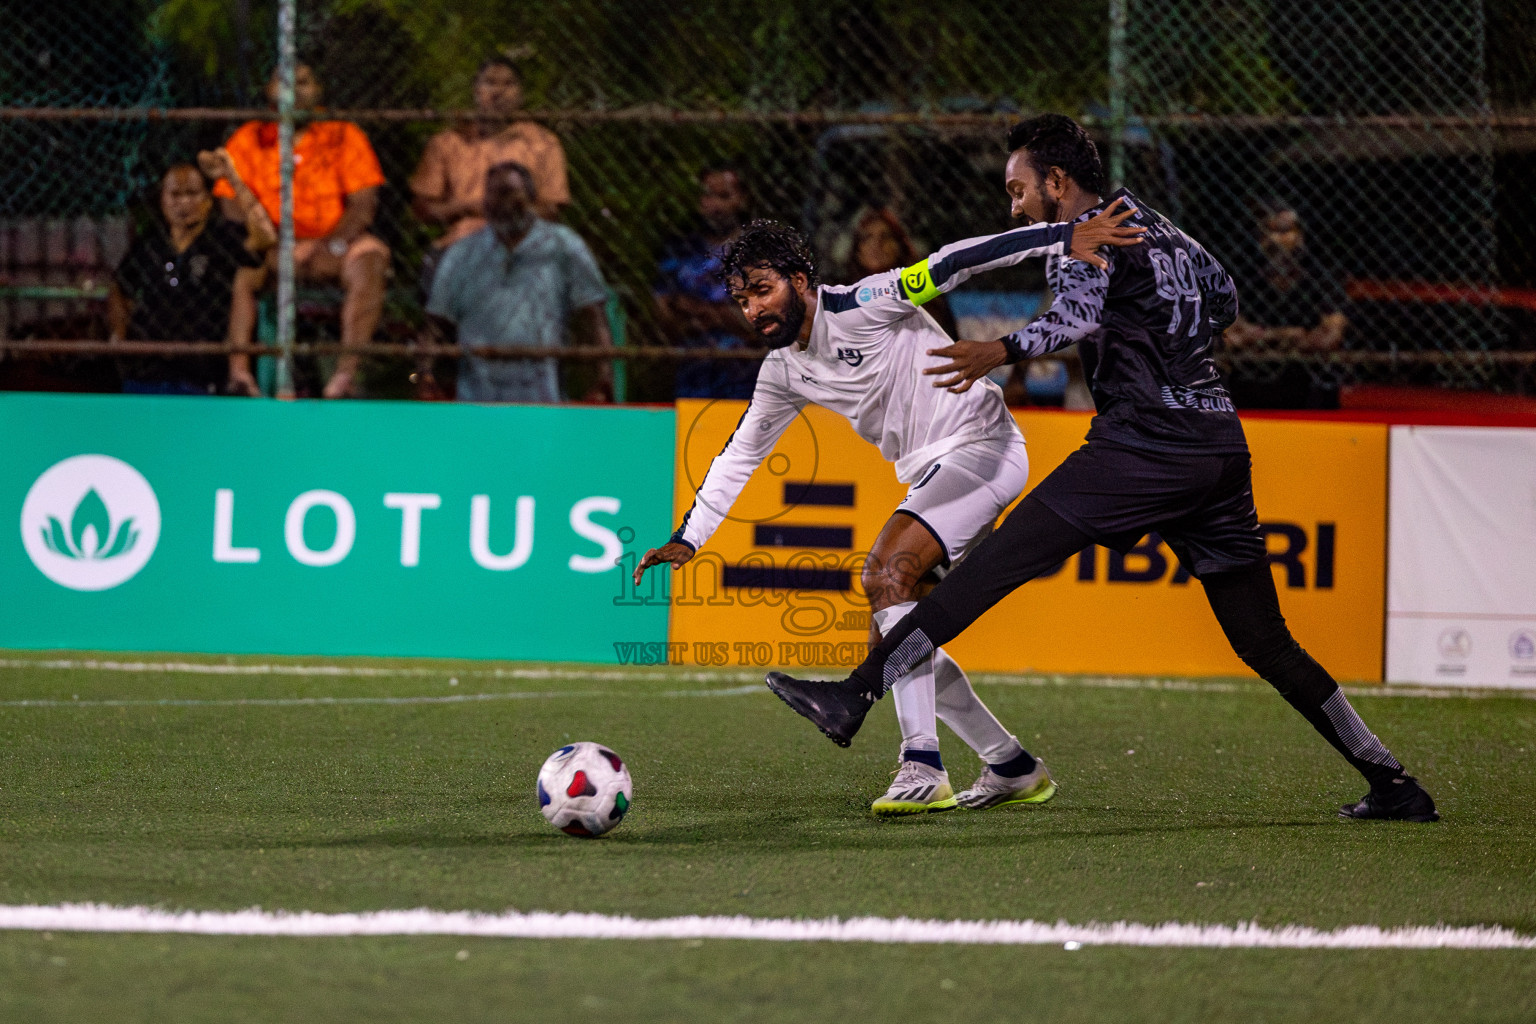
851,356
1214,399
869,293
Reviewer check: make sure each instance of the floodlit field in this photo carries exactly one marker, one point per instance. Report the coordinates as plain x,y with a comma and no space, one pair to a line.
223,786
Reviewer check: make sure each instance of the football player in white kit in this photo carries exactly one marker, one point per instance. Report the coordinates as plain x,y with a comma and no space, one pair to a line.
860,350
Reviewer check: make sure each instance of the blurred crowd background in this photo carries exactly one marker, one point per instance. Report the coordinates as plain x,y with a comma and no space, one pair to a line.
1360,166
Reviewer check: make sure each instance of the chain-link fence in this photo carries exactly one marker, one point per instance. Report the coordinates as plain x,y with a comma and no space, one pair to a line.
1358,165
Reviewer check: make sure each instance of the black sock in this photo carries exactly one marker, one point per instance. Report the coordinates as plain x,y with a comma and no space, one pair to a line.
927,757
908,643
1016,766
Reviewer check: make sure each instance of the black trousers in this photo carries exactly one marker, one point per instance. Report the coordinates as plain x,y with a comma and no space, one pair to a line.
1034,540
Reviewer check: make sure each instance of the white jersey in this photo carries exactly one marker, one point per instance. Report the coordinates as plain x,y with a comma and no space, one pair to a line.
868,347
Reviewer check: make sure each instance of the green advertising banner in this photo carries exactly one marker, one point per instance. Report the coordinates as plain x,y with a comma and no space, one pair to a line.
369,528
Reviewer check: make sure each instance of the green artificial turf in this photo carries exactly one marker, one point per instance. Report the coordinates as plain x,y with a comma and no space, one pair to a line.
1175,804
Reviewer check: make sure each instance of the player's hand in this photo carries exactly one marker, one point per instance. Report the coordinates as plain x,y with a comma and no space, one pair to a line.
969,361
1107,227
675,552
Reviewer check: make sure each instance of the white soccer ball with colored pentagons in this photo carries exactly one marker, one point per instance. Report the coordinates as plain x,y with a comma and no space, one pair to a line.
584,789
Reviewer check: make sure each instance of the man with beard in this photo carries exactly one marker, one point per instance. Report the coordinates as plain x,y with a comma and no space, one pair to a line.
520,281
693,308
1166,452
855,349
448,186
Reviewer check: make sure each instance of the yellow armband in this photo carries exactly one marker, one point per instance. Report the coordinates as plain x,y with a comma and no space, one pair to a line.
917,284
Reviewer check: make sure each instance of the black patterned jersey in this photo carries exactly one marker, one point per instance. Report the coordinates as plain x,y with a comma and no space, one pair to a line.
1144,329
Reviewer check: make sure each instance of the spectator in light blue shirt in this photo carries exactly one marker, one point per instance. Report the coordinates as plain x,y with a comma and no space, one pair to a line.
519,281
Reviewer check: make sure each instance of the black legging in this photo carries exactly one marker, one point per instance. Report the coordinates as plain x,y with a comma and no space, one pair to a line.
1035,540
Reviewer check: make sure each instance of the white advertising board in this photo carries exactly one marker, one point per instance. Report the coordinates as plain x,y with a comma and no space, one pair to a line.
1461,576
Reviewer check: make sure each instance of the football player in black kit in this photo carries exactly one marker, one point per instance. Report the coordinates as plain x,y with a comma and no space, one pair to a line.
1165,452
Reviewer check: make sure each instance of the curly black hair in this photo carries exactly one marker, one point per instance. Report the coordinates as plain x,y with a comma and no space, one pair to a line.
1055,140
771,245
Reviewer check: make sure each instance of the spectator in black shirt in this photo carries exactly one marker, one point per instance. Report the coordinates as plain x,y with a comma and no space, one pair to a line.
1289,300
1290,305
176,281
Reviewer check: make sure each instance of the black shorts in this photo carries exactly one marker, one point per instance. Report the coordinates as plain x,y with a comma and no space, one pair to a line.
1202,505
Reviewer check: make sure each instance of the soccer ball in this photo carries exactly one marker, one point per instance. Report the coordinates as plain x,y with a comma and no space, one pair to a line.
584,789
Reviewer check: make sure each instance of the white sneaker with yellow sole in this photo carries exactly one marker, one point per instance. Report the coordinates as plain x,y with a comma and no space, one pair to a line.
993,790
917,789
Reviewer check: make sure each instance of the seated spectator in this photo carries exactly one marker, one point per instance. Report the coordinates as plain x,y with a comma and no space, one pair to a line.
878,242
336,180
176,281
448,187
1286,303
1289,301
693,307
520,281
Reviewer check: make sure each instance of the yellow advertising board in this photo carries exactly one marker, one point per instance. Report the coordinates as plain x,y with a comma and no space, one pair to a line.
778,584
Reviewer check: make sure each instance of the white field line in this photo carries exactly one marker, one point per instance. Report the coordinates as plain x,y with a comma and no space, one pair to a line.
88,917
290,702
371,671
629,674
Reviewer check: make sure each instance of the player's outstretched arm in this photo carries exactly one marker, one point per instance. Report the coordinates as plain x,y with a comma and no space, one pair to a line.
772,409
969,361
1074,313
674,551
876,301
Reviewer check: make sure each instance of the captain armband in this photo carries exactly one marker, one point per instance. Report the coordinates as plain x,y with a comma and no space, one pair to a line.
917,284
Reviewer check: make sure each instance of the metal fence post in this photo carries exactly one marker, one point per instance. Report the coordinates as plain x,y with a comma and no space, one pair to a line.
286,60
1117,17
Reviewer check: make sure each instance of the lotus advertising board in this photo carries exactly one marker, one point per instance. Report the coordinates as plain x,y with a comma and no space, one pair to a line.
187,524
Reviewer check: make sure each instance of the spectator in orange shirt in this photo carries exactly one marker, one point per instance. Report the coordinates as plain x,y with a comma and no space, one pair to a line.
448,187
336,180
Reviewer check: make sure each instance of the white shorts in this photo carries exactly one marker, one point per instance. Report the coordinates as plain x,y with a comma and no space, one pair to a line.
960,495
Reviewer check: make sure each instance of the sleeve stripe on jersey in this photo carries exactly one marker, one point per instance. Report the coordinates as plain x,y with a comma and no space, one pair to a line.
995,248
839,300
678,533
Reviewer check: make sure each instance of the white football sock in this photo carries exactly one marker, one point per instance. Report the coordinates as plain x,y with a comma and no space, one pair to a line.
913,692
959,708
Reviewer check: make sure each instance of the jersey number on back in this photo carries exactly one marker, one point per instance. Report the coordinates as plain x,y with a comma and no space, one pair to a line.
1176,282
